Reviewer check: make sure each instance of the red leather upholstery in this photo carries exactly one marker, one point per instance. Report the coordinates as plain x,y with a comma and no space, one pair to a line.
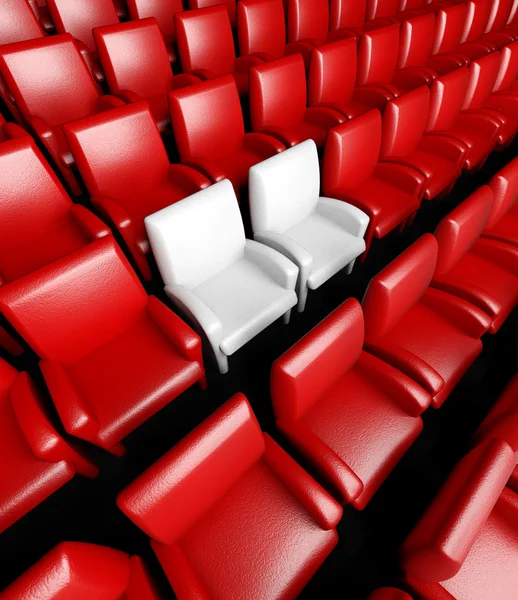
506,79
465,546
163,11
123,354
382,8
34,459
206,46
308,21
38,222
502,423
469,268
388,193
78,570
230,5
389,594
10,131
125,167
51,85
262,31
7,342
502,224
210,133
431,336
332,400
278,104
135,60
229,511
19,22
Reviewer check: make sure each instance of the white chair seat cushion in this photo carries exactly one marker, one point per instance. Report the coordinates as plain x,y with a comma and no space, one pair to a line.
246,300
331,247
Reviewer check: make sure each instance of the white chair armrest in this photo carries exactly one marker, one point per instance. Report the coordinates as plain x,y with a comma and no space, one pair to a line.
285,245
347,216
281,269
203,319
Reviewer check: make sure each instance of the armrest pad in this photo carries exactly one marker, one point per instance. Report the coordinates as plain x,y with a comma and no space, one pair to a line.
42,438
405,178
72,411
326,118
179,333
197,312
41,127
373,96
442,145
281,269
129,96
264,144
319,504
245,63
91,225
410,396
189,179
109,209
469,318
347,216
264,56
108,102
290,248
184,80
14,131
412,77
410,364
203,74
206,167
91,61
283,135
322,457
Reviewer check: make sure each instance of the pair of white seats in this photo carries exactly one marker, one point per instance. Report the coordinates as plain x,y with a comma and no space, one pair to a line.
232,288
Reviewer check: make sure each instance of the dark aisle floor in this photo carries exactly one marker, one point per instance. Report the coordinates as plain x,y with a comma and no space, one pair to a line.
366,556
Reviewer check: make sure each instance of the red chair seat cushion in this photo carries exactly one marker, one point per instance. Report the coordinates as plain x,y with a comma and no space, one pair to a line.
506,229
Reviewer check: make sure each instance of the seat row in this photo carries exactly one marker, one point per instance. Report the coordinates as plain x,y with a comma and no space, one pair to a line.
208,502
418,333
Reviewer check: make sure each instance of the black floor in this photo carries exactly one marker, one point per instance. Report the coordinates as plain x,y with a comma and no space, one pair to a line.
367,554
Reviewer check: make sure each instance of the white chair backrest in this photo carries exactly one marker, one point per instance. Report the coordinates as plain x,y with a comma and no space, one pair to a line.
284,189
197,237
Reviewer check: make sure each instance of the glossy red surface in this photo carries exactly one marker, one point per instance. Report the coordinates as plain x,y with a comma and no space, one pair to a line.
163,11
19,22
502,224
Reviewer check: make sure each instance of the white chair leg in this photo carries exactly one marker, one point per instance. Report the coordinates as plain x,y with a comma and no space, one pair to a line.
302,293
286,317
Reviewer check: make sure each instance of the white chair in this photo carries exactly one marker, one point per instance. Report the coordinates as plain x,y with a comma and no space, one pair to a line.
231,288
320,235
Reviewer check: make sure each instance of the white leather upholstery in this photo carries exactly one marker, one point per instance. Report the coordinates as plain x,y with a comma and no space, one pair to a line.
320,235
231,288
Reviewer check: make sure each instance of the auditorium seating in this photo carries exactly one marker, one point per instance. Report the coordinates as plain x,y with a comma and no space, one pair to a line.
79,570
388,193
230,5
206,46
230,287
351,415
230,513
428,334
210,132
134,58
79,18
483,272
163,11
320,235
18,21
502,224
465,545
502,423
278,104
38,222
36,461
122,356
124,164
262,31
50,85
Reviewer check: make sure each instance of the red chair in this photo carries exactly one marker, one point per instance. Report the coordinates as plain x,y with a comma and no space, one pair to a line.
482,272
50,85
38,222
351,415
10,131
227,507
125,167
134,58
163,11
278,106
40,9
230,6
502,224
431,336
506,80
79,18
389,193
438,158
377,9
79,570
35,460
206,46
262,31
502,423
389,594
498,32
210,133
8,343
19,22
465,545
123,354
